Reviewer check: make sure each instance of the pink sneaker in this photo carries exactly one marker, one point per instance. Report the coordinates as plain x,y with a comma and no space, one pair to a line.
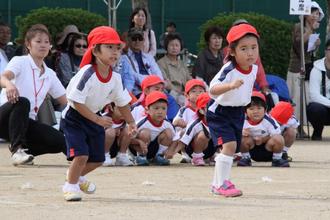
227,189
198,161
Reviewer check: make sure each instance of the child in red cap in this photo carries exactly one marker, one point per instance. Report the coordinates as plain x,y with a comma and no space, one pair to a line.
155,133
149,84
283,113
94,86
262,139
187,113
231,91
196,139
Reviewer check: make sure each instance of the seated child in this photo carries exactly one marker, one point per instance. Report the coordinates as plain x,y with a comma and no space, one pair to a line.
283,113
196,138
187,113
116,139
262,139
155,133
149,84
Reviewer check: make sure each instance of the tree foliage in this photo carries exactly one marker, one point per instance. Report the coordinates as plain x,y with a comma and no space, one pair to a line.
57,18
275,38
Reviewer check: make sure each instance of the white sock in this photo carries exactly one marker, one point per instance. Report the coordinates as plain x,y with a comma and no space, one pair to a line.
246,155
277,156
222,169
121,154
107,154
197,155
161,149
285,149
67,187
82,179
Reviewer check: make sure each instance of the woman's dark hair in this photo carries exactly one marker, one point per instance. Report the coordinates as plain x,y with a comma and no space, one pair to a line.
135,11
74,38
173,36
213,30
312,10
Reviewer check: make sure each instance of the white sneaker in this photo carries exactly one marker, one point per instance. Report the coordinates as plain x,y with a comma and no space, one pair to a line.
20,157
123,160
108,161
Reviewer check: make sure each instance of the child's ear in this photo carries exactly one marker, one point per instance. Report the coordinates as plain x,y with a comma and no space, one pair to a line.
231,52
146,110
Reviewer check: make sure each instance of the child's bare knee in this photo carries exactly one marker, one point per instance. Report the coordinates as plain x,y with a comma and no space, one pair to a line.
144,135
110,133
165,138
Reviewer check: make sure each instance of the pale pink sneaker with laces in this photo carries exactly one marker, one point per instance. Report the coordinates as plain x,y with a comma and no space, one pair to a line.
227,189
198,161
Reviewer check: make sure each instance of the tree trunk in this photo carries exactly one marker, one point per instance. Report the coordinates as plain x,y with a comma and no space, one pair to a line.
143,4
327,36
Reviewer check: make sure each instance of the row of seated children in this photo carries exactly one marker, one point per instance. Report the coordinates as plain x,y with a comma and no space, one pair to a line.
265,137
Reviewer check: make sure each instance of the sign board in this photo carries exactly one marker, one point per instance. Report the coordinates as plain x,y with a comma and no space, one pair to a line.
300,7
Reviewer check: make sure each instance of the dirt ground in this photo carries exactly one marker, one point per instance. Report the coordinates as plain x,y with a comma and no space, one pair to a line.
175,192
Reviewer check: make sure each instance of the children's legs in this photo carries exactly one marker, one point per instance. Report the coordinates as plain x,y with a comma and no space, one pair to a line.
90,166
275,144
77,166
200,142
144,138
223,163
110,136
246,145
289,136
124,141
164,140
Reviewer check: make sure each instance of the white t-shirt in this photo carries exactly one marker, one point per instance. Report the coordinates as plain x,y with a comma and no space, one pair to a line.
235,97
138,111
193,128
186,113
292,122
267,126
155,130
87,88
28,81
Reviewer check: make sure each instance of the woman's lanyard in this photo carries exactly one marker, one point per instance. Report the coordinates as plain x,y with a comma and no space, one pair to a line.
36,93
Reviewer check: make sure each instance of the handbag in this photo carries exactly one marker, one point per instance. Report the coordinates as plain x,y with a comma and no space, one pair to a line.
46,113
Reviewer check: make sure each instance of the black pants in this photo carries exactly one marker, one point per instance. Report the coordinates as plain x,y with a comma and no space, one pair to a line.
23,132
318,115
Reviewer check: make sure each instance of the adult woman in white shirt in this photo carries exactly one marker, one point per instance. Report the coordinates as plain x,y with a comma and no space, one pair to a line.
26,82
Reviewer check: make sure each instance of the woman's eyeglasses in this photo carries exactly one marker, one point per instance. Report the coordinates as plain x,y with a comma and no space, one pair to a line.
81,46
135,38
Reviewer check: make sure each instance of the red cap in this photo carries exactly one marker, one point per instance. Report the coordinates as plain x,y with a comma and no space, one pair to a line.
282,112
193,82
202,100
239,31
259,95
154,97
150,81
99,35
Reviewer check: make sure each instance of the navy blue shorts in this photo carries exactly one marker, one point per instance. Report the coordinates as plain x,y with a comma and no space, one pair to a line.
260,154
83,137
208,152
226,124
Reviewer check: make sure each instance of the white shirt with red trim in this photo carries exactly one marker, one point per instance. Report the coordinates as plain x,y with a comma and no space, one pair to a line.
266,127
292,122
155,130
34,88
89,88
138,111
192,129
236,97
186,113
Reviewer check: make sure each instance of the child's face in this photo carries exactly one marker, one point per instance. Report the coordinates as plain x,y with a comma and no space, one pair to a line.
108,53
246,52
255,113
194,93
158,87
157,111
39,45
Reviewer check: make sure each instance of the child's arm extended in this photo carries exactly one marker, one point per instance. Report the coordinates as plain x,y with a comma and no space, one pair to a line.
126,113
219,89
103,121
174,149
